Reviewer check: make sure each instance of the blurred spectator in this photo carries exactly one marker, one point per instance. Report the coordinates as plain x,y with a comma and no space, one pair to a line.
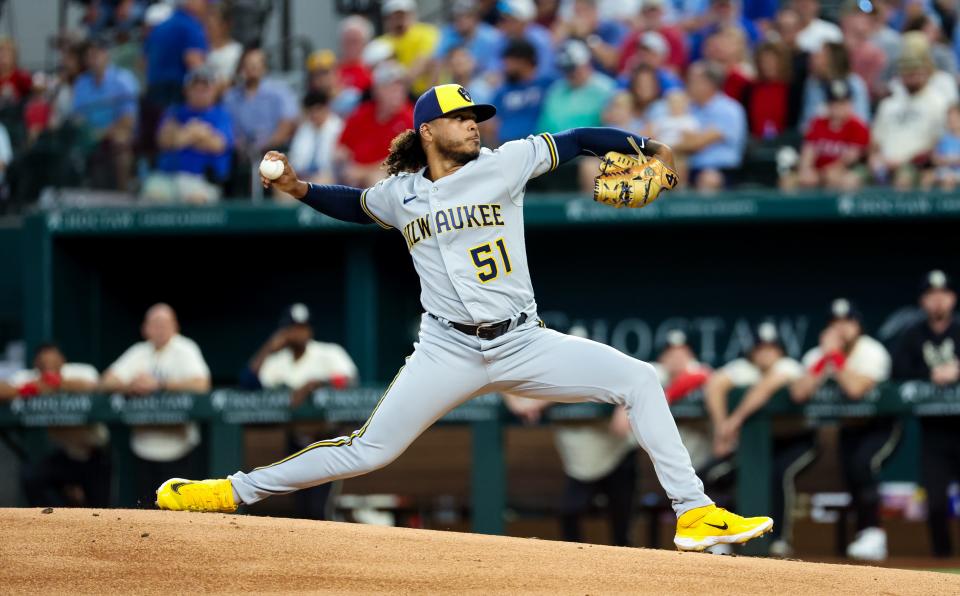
603,37
908,125
786,28
619,111
105,102
674,124
165,362
323,77
15,83
763,371
314,144
834,147
716,150
883,34
413,42
579,97
77,472
173,48
367,133
517,22
651,50
645,91
814,31
597,459
928,351
916,46
652,21
481,40
727,50
856,363
520,98
6,154
722,14
263,110
291,358
195,139
681,374
225,51
946,156
943,56
830,63
72,58
115,15
460,68
866,57
771,107
354,33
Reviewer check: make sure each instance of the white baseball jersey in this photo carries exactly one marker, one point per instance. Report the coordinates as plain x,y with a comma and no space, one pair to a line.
465,231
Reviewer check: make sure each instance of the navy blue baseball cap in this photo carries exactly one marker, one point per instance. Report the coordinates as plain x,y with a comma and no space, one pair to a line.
445,99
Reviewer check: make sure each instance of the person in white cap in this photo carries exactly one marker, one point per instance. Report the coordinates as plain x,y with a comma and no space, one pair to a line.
857,363
414,43
291,358
928,350
762,371
681,375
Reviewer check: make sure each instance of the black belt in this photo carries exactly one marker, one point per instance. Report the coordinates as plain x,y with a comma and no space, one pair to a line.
488,331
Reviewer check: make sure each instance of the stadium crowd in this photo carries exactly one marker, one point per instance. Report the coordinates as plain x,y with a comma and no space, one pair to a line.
164,101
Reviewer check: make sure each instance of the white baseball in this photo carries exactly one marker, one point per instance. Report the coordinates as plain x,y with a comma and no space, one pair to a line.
271,168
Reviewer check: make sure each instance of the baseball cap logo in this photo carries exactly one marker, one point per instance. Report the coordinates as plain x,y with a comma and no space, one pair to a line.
463,93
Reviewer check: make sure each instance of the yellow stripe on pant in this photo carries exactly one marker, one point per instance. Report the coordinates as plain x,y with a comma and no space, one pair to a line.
343,441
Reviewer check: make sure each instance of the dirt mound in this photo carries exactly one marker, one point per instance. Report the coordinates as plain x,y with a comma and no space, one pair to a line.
107,551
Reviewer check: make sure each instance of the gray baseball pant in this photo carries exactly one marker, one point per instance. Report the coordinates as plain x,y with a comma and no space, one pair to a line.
448,367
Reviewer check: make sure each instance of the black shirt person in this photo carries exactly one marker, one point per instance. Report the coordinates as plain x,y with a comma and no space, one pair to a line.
927,351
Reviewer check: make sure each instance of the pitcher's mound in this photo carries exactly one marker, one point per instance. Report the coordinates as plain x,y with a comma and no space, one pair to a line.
125,551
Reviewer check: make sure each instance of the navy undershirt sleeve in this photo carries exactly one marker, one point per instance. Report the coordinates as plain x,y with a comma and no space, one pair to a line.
337,201
594,141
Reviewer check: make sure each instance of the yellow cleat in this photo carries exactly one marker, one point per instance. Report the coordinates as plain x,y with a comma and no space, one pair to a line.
178,494
704,527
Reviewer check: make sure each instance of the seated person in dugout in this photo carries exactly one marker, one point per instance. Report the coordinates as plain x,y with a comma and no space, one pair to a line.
763,370
77,471
856,363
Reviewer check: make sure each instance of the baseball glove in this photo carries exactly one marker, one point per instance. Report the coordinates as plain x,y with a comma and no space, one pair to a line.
627,181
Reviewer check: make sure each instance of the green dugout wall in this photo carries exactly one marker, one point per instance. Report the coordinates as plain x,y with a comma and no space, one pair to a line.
712,266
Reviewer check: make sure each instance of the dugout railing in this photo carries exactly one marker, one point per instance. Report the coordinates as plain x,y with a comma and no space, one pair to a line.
224,413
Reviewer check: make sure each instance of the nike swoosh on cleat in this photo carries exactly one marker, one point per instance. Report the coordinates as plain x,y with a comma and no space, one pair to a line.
175,487
723,527
408,199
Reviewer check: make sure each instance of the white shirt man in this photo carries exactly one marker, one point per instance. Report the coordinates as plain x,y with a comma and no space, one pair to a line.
868,358
180,359
743,373
166,361
907,125
320,361
78,442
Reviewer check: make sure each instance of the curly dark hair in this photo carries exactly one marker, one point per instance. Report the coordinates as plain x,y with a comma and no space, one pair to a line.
406,154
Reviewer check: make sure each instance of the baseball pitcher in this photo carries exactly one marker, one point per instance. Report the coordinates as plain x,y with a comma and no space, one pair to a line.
459,208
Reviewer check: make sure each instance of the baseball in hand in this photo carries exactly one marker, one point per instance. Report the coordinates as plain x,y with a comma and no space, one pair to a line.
271,168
